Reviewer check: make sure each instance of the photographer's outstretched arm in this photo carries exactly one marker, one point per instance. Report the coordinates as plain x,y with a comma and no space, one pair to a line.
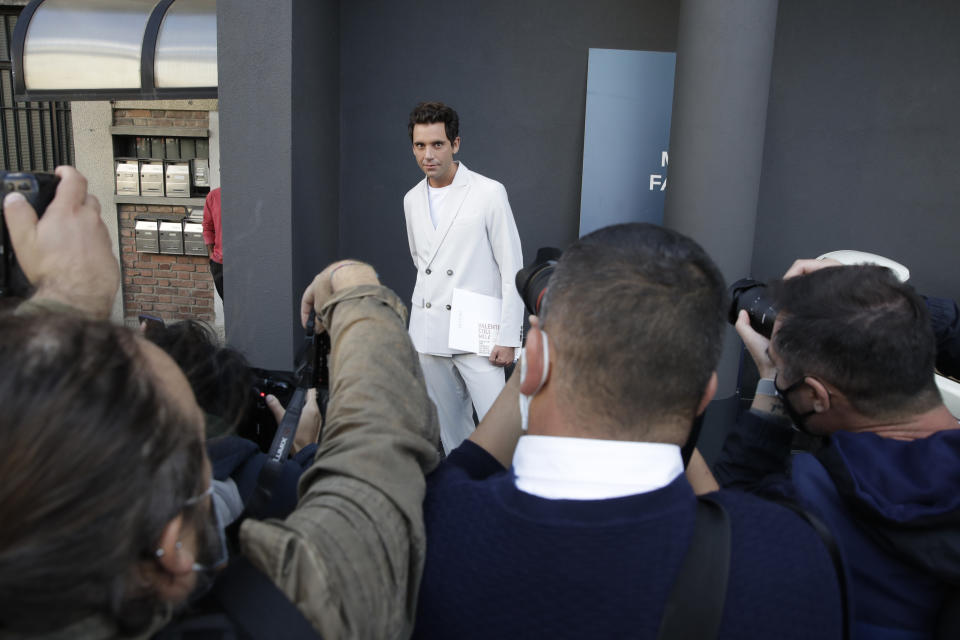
499,430
756,452
67,253
699,475
351,554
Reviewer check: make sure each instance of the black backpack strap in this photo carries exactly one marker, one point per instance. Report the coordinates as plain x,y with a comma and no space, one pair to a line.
948,622
257,606
826,536
695,606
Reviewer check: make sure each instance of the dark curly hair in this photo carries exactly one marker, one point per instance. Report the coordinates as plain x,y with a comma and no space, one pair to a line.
430,112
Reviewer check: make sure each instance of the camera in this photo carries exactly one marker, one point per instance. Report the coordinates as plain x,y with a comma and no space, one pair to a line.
311,370
752,296
38,189
532,281
260,425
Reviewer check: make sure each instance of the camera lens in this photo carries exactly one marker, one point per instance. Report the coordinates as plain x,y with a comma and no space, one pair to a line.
752,296
532,281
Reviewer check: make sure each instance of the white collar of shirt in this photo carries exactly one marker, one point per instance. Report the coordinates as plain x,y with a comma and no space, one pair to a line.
589,469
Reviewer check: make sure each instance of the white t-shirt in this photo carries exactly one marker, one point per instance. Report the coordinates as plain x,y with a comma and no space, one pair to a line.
437,198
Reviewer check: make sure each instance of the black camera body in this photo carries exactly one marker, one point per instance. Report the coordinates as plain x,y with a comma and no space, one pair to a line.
38,189
311,370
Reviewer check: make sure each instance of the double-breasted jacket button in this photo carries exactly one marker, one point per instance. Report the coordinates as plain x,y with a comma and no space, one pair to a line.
427,305
448,307
449,272
429,272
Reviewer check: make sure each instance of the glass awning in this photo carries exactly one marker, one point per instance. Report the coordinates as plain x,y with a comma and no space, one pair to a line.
113,49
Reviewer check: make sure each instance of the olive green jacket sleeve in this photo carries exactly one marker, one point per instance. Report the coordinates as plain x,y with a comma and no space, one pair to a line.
350,556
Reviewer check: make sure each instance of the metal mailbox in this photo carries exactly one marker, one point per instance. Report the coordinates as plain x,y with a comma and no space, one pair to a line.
193,244
171,238
151,178
147,236
128,178
178,179
201,172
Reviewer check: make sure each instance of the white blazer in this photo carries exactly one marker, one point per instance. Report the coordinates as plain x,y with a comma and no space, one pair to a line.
476,248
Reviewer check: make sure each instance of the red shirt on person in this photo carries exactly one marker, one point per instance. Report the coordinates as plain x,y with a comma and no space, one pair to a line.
211,224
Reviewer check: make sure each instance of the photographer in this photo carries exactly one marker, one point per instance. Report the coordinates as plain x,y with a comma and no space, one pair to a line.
851,358
223,384
592,529
104,494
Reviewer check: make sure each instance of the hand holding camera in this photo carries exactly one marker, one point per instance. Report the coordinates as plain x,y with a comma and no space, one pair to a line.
753,313
66,254
310,424
757,344
339,275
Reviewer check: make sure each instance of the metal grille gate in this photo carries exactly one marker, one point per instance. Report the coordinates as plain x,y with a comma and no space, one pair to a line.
35,136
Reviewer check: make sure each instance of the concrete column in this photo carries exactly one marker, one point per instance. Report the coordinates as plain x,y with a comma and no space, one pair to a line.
724,57
278,67
93,157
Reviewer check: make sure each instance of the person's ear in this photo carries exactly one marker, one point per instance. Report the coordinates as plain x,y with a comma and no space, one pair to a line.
821,398
535,362
708,393
171,570
456,144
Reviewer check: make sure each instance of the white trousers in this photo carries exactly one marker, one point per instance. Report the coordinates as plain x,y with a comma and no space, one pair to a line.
452,383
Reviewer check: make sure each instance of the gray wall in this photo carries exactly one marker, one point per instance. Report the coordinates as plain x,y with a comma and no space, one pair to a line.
515,71
862,147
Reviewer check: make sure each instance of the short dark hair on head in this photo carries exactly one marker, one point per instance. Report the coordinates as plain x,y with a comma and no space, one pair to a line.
635,313
94,462
862,330
430,112
220,377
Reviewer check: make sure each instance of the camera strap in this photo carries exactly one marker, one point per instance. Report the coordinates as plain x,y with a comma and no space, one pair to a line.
311,366
833,548
695,606
278,452
243,603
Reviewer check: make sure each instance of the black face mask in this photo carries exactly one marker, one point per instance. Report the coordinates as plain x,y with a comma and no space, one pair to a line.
798,419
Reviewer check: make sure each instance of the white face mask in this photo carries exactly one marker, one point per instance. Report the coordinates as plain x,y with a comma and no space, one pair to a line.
525,399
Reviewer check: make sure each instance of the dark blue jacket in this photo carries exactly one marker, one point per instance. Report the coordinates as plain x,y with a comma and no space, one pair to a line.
893,506
242,460
945,320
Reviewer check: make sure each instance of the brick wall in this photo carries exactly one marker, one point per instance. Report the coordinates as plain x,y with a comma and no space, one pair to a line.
169,287
161,118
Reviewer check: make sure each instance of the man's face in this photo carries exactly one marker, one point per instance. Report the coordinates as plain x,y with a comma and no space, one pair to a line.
434,153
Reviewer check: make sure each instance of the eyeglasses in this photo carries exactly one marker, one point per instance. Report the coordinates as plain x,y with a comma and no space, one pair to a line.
222,555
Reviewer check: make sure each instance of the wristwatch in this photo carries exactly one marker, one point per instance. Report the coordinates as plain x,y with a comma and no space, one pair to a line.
766,387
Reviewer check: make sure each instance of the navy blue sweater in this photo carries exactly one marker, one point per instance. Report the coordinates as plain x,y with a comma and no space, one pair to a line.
502,563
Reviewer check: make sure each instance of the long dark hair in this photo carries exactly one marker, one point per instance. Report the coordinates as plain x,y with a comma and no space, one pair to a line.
93,464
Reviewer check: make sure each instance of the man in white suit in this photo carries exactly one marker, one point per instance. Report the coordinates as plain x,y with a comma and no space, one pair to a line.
462,235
